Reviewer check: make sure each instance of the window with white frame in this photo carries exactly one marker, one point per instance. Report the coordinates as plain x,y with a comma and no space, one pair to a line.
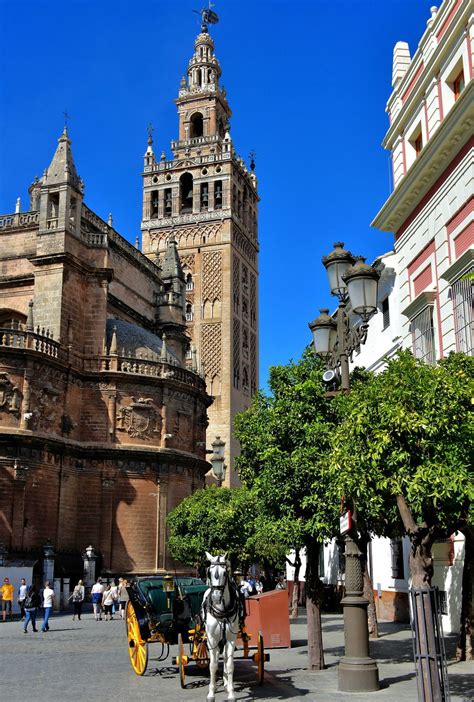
189,312
422,332
463,303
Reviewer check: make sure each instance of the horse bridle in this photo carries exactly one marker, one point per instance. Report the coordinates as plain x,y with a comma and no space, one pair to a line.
225,613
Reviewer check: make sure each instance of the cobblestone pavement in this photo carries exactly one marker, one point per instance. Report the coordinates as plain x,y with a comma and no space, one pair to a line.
88,660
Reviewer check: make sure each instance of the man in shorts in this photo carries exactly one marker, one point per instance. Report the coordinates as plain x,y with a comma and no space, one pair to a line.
7,591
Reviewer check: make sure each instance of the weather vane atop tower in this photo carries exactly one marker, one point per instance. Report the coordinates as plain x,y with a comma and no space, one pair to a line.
208,16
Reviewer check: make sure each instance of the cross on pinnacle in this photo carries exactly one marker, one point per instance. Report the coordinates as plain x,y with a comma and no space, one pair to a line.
66,117
150,129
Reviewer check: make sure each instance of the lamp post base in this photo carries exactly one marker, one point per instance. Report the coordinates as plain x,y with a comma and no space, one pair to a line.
357,670
358,675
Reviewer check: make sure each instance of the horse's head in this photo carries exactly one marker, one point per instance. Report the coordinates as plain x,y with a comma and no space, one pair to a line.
218,570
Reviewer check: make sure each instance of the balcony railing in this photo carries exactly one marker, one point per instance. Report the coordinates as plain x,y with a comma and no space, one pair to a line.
40,340
18,219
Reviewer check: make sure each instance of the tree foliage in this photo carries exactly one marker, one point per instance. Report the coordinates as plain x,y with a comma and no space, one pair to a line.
284,440
212,519
407,434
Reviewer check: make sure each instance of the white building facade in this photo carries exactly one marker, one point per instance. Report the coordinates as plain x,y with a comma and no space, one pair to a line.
425,294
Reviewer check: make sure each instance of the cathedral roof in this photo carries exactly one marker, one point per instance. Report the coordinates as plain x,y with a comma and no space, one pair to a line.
135,341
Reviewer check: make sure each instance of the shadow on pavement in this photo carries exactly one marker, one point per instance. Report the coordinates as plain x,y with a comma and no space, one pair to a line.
462,684
387,682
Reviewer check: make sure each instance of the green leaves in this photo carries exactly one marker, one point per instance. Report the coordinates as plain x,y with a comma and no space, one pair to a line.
212,519
409,431
284,442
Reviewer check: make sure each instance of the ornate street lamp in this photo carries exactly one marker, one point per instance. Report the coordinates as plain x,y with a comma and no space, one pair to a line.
335,339
217,459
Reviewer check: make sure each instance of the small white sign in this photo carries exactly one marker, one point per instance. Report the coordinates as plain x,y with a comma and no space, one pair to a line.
345,522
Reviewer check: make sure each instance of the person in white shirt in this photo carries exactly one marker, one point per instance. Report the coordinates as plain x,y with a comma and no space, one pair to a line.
108,601
22,590
48,601
246,587
97,592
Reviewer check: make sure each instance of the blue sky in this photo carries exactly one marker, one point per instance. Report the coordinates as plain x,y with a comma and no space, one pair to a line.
307,83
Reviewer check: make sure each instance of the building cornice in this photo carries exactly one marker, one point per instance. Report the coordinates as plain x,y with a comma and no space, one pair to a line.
430,68
453,133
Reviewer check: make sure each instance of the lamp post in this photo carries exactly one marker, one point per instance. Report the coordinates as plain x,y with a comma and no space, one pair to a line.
335,340
217,459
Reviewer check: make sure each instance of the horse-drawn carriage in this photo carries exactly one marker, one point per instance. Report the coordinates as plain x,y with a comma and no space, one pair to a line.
203,620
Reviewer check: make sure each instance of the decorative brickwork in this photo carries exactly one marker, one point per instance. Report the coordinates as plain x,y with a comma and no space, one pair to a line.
212,276
236,283
253,301
253,364
236,352
211,349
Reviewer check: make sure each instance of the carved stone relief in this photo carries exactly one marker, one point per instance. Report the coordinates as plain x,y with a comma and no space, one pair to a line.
10,395
140,419
46,408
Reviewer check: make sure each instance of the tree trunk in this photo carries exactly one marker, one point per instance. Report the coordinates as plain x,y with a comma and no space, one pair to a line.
464,650
368,588
296,586
314,598
421,570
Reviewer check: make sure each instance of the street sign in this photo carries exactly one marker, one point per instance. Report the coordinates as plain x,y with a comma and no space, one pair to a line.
345,522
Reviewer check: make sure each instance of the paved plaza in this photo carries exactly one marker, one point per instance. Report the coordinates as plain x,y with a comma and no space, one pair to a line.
88,660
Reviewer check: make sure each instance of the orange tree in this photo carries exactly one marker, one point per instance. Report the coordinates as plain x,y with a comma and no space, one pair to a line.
402,450
284,439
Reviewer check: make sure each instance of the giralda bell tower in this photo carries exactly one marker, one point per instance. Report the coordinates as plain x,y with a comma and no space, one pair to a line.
206,199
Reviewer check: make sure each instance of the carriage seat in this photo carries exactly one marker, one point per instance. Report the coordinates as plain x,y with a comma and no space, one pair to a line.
154,594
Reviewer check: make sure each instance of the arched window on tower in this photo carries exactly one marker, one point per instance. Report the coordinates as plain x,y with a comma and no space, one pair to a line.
196,123
189,282
168,207
204,196
189,312
218,195
154,204
186,192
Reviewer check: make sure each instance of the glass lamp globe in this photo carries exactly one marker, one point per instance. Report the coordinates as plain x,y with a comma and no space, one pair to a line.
337,263
324,333
362,287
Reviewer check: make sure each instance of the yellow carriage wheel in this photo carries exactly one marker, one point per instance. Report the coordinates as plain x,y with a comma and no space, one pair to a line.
183,659
137,648
200,652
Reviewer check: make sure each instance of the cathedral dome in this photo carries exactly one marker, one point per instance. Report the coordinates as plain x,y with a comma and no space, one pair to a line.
136,341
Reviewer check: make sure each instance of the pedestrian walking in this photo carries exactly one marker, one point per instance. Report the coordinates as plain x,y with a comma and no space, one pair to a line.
48,601
77,598
31,604
22,590
114,590
97,592
123,598
7,591
108,601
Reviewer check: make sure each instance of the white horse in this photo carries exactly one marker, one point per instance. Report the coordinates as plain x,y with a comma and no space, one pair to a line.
221,613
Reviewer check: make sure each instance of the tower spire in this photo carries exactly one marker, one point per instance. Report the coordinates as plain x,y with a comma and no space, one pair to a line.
62,168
